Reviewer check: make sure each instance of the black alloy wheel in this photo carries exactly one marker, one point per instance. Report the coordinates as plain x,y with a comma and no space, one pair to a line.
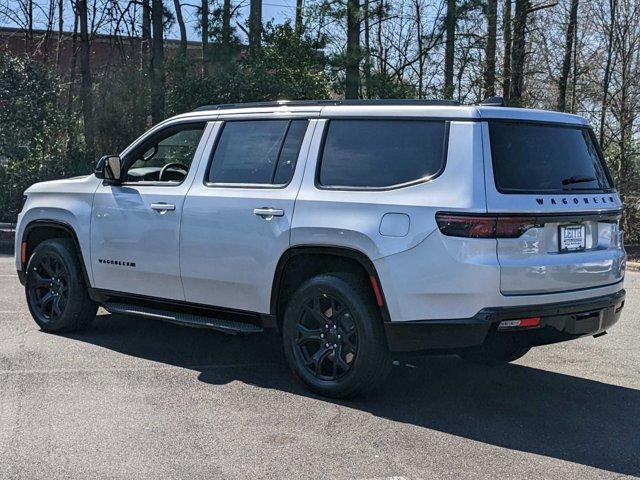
327,340
56,290
333,335
48,287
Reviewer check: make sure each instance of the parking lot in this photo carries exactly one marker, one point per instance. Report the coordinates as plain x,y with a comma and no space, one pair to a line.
135,398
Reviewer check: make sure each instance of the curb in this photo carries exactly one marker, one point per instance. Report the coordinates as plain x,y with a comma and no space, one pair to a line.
7,235
633,266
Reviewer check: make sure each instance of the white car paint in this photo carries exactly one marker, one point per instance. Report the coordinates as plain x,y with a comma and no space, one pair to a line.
213,250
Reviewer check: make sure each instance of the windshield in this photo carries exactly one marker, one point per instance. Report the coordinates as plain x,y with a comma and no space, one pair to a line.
535,158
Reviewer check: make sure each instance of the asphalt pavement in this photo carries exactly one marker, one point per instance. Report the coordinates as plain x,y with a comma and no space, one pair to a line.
135,398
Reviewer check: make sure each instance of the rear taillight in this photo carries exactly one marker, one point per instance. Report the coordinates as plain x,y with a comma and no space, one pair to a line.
482,225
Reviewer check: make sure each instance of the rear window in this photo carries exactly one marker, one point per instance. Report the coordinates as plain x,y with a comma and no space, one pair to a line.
381,153
545,158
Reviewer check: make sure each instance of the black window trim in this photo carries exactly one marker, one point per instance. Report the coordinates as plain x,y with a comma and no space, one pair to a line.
157,183
575,126
265,186
429,178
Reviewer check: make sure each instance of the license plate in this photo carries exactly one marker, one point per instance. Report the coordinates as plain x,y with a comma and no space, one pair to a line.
572,238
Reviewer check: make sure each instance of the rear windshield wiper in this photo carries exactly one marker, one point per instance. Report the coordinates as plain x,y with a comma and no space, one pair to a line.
578,179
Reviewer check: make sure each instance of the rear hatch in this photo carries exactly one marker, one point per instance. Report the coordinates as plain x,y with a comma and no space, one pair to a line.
549,186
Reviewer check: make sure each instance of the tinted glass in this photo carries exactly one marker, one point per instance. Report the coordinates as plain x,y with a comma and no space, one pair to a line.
540,158
176,145
381,153
290,151
257,152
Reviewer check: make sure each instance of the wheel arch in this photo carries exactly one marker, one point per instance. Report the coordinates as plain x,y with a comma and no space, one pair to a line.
40,230
334,255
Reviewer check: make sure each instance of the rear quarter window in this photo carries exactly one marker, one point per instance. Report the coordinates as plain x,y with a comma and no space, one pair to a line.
376,154
545,158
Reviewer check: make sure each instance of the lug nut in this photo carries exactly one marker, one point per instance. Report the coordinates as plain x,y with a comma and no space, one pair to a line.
322,335
339,337
335,345
326,345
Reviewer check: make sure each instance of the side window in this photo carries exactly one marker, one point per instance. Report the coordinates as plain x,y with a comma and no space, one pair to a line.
257,152
381,153
167,156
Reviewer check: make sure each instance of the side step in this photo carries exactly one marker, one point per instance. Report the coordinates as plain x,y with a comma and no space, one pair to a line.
187,319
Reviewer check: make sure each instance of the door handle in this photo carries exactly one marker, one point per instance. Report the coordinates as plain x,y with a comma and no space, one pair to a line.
268,213
162,207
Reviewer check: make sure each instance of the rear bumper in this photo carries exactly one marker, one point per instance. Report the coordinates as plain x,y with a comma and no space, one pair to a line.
559,322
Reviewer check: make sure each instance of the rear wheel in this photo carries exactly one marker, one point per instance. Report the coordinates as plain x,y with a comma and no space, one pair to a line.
56,292
333,336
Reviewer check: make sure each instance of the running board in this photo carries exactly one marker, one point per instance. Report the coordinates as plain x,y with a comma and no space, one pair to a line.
187,319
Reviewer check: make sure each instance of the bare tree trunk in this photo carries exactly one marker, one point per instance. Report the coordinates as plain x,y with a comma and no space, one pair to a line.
226,33
204,28
49,30
353,49
506,62
182,27
613,5
450,33
28,39
60,30
299,5
86,94
382,63
490,50
157,62
145,45
420,48
255,25
566,63
367,50
518,53
574,77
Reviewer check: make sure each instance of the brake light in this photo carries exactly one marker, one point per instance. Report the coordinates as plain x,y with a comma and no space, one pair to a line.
482,225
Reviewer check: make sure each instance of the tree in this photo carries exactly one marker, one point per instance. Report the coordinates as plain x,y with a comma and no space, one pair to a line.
299,5
157,62
490,49
450,34
255,25
86,94
506,62
182,27
518,53
353,53
204,37
566,63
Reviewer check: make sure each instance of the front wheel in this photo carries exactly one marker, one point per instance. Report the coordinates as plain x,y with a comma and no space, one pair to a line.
333,336
56,292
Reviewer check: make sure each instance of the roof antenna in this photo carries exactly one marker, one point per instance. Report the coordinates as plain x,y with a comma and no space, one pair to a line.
494,102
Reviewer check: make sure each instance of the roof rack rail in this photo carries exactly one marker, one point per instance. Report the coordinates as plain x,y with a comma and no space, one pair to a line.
494,102
309,103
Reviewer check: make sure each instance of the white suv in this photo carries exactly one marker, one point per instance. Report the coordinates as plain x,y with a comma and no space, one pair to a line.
357,228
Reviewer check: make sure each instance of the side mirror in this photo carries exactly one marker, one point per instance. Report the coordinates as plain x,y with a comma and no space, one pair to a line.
109,168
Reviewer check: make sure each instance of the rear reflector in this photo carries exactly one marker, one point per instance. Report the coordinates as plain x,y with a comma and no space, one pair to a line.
23,253
482,225
521,323
376,291
618,307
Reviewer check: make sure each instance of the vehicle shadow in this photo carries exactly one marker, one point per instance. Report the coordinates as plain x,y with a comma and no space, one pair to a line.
516,407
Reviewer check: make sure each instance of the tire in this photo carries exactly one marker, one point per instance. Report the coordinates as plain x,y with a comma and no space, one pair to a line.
55,288
494,355
338,310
